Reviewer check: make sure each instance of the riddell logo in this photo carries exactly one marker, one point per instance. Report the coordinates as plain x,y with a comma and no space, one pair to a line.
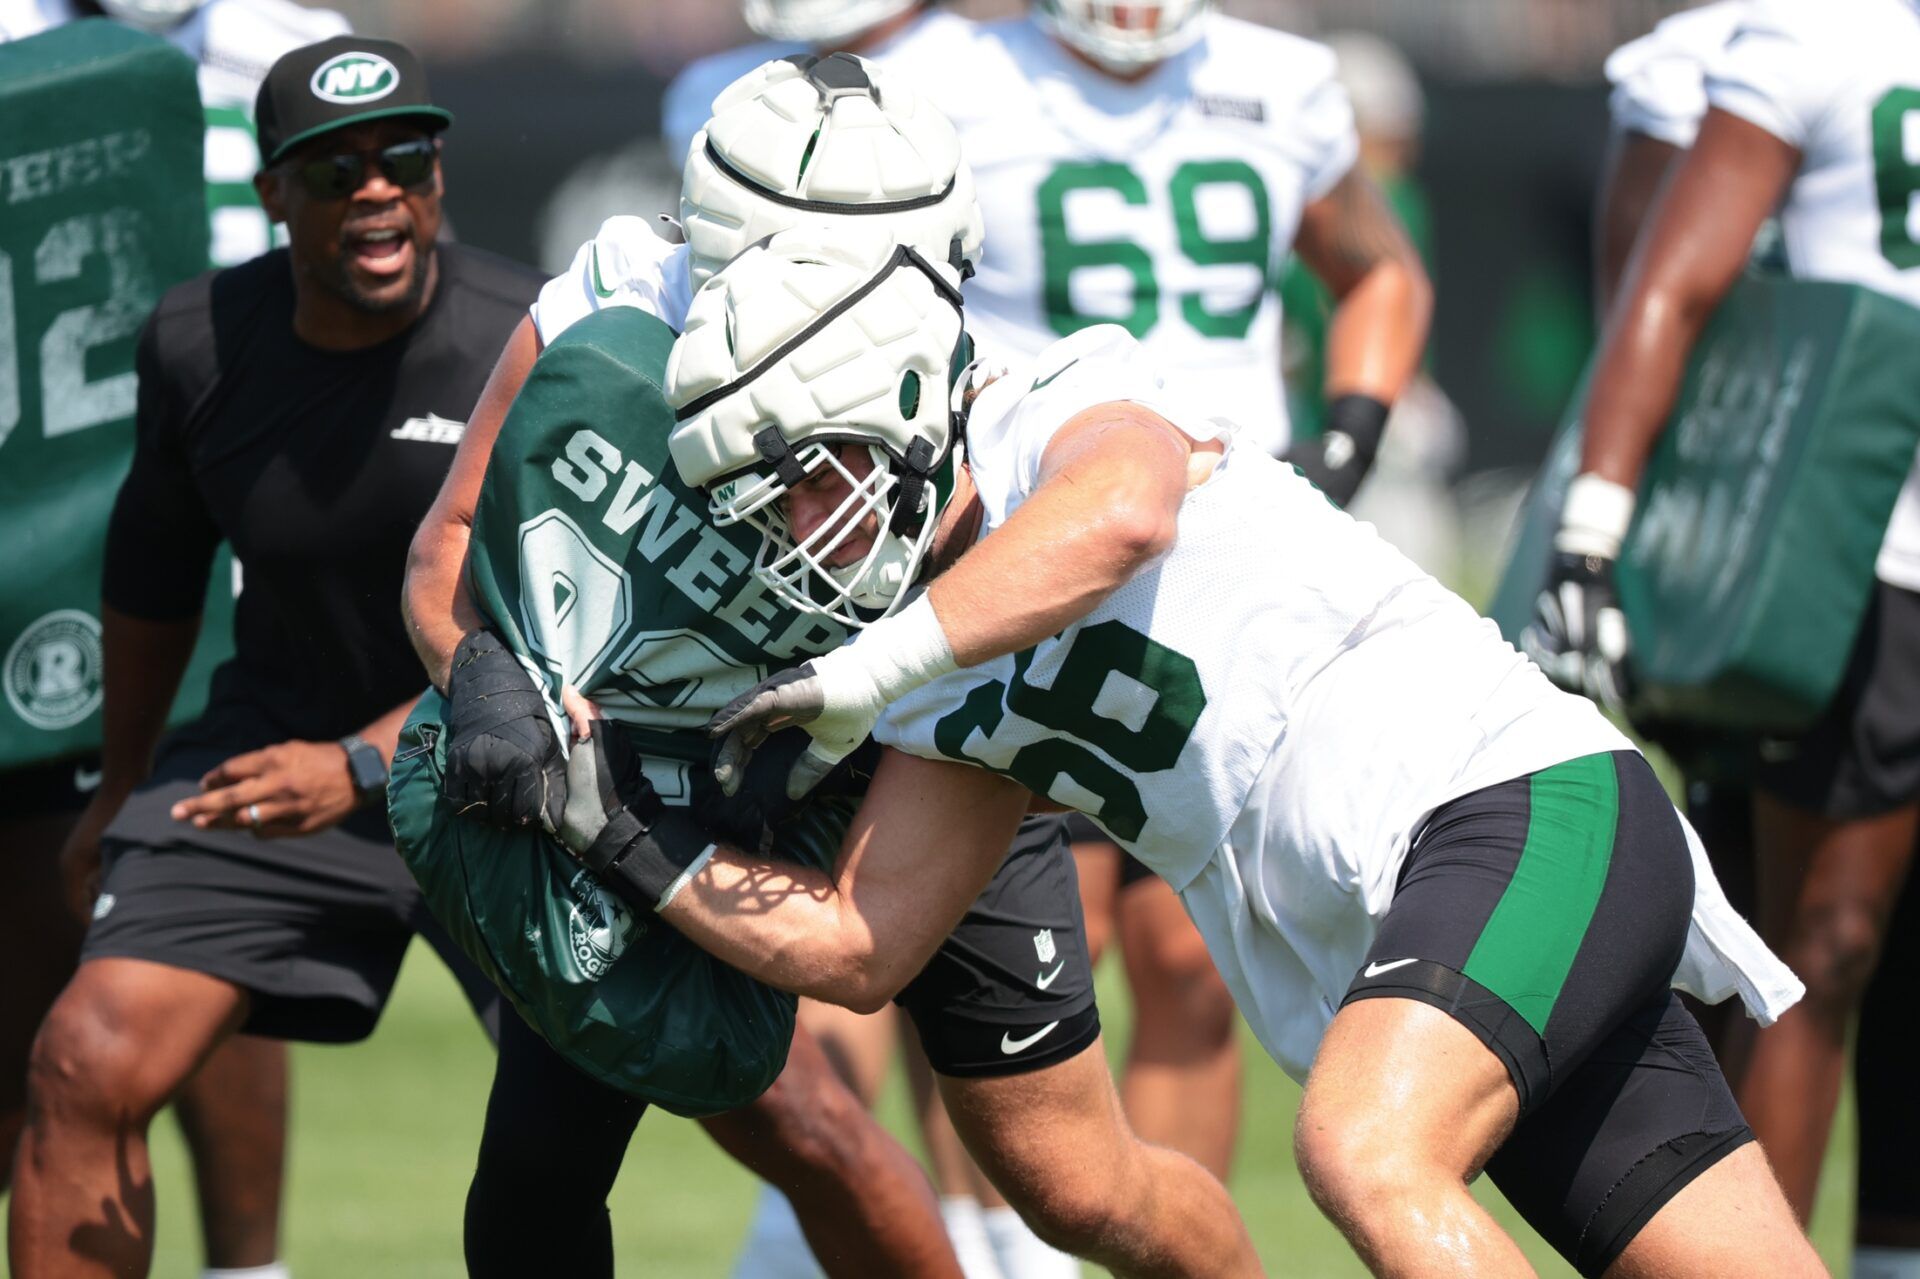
350,78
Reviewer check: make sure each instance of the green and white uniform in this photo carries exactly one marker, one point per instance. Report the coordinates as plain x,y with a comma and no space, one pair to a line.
1267,714
1167,205
601,570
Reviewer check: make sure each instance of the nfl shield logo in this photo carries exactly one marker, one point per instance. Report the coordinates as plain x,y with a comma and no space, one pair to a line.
1043,945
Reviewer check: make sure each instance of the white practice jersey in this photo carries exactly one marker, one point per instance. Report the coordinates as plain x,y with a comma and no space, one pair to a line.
1167,205
626,263
689,99
1659,80
234,42
1264,717
1841,82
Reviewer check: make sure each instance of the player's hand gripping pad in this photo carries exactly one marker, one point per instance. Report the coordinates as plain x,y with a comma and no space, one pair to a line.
1751,556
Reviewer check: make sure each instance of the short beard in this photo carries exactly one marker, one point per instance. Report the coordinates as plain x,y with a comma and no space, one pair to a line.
337,278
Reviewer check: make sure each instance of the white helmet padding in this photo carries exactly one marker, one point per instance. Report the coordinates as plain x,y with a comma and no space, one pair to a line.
799,346
1124,35
832,141
821,23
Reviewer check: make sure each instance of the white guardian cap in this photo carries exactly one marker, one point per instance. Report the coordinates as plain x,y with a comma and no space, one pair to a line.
802,345
820,22
831,141
1124,35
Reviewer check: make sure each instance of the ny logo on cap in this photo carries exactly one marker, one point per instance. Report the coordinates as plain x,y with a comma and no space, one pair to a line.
349,78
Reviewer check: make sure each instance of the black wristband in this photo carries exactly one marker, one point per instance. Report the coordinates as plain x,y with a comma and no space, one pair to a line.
1362,419
645,865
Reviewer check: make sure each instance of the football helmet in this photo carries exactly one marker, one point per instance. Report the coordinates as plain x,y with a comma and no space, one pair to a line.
1124,35
804,344
821,23
831,141
152,15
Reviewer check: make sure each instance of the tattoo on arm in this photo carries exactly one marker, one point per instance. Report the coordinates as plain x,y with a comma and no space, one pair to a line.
1349,231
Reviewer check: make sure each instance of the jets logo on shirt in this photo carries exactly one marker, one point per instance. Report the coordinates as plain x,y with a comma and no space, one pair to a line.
431,429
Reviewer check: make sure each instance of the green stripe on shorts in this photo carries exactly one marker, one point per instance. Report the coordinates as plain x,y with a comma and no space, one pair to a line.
1528,946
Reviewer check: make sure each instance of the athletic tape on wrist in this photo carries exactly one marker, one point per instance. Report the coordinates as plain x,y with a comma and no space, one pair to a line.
656,862
1595,517
904,651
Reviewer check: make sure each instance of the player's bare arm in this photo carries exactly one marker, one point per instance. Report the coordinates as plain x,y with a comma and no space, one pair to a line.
1694,250
1636,166
434,599
142,663
1351,240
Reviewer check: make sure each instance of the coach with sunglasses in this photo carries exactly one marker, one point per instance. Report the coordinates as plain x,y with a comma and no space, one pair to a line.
304,407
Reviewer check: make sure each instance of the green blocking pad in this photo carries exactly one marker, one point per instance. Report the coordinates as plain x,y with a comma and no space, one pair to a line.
624,998
1751,557
100,180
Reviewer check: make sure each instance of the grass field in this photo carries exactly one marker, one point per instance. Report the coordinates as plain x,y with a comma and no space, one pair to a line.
384,1134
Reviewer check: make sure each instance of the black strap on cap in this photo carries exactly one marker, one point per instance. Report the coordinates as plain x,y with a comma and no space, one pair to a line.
910,512
774,449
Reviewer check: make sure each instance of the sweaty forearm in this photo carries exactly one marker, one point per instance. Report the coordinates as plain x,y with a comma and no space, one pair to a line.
142,663
1637,379
1379,330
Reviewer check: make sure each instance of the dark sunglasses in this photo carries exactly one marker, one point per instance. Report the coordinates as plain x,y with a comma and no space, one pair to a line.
334,177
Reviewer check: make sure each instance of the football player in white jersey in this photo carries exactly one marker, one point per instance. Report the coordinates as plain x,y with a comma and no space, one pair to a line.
989,1236
1040,1110
234,1111
1810,114
1413,858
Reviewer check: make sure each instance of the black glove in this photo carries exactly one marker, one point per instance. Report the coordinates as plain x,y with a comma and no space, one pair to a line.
504,765
1341,457
615,825
748,816
1578,634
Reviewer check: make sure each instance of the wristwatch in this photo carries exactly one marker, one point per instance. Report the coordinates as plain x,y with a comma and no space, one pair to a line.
365,767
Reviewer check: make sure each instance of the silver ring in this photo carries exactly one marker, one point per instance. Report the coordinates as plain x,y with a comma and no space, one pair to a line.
253,816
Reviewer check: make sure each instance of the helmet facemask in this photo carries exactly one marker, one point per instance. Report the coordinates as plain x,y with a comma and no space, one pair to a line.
1113,34
897,498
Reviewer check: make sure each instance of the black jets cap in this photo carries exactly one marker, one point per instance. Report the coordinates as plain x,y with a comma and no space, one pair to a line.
338,82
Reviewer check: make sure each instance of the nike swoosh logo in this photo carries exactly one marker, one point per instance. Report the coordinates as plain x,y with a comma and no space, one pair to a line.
1009,1045
1374,970
85,780
1056,373
1045,980
598,287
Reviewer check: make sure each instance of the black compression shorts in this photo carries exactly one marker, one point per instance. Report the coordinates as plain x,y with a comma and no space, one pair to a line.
1082,830
1862,756
1547,915
1011,990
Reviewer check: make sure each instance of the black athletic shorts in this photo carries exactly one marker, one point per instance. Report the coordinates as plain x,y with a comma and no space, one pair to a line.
313,928
47,790
1082,830
1011,990
1547,915
1862,756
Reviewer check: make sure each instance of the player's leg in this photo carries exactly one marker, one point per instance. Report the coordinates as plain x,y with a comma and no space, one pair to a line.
860,1047
1887,1224
976,1214
1836,817
233,1114
1532,920
1827,890
1056,1143
1403,1108
1182,1081
39,939
1730,1220
114,1049
551,1149
866,1207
